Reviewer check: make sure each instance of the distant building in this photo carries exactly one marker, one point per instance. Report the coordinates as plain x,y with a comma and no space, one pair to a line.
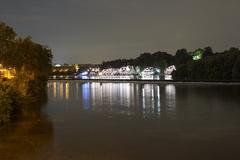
58,69
57,65
169,70
149,71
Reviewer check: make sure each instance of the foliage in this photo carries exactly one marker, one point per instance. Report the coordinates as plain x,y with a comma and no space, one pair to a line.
182,57
32,61
158,59
236,69
208,52
10,99
218,66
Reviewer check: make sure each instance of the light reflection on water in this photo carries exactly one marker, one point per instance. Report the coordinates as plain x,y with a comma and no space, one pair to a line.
67,90
127,121
125,98
170,92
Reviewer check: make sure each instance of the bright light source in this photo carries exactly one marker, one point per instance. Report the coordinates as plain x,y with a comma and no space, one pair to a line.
8,73
84,73
169,70
197,55
57,65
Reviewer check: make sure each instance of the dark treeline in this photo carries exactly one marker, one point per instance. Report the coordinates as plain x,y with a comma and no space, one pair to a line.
32,63
222,66
158,59
210,66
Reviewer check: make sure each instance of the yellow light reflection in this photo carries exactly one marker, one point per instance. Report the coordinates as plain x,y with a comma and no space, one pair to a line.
61,90
67,91
54,89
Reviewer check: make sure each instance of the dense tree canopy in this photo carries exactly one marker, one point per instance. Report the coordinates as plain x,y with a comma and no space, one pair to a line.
182,56
158,59
32,61
218,66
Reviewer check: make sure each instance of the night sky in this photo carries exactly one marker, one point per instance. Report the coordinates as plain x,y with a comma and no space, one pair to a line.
90,31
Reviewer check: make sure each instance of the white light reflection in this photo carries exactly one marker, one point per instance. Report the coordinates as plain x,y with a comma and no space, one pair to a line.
158,101
86,95
128,94
143,102
93,92
150,100
121,94
170,91
124,98
110,92
117,96
101,94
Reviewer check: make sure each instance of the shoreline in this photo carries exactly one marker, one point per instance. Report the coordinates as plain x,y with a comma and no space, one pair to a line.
152,81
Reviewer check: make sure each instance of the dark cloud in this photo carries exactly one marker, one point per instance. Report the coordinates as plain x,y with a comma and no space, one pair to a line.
90,31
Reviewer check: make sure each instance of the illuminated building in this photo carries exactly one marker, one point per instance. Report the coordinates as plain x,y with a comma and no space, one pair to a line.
150,71
94,71
127,70
57,65
8,73
169,70
76,67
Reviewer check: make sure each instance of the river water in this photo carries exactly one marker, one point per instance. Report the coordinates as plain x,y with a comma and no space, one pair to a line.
128,121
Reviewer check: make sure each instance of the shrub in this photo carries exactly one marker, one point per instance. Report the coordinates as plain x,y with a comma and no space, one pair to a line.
10,100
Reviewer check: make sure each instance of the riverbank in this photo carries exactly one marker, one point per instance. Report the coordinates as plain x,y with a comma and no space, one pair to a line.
10,100
13,100
153,81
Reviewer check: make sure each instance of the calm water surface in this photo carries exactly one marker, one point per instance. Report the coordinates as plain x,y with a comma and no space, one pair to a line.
128,121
